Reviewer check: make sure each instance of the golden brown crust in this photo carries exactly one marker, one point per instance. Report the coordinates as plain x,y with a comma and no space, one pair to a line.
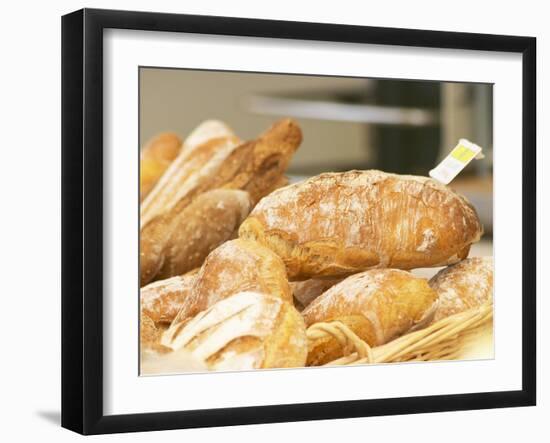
236,266
337,224
188,176
190,168
466,285
247,330
378,305
155,158
258,166
162,300
178,242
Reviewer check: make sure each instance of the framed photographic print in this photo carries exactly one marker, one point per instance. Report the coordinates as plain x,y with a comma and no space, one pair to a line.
269,221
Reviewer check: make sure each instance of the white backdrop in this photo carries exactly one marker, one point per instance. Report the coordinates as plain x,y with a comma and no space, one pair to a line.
30,184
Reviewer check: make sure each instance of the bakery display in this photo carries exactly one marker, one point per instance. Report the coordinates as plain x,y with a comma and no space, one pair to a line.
249,330
155,158
466,285
241,270
336,224
377,305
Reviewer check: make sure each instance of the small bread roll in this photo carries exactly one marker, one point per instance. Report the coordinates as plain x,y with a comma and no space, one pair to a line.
247,330
336,224
162,300
236,266
466,285
377,305
305,292
155,158
180,240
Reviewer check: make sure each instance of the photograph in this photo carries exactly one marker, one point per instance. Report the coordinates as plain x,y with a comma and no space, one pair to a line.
299,221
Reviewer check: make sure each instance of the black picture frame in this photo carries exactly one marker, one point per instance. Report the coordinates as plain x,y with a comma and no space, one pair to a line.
82,218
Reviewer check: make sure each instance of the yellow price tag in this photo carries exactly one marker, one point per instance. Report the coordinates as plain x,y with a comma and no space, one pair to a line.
463,154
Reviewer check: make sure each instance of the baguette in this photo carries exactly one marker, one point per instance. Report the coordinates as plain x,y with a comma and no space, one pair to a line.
247,330
337,224
179,241
155,158
377,305
236,266
466,285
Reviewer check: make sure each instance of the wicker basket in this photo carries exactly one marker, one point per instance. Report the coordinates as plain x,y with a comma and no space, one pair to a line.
447,339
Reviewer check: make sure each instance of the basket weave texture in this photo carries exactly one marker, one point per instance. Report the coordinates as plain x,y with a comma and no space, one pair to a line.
443,340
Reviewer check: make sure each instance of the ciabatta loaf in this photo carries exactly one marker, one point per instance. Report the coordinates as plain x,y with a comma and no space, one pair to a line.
466,285
248,330
236,266
155,158
378,305
337,224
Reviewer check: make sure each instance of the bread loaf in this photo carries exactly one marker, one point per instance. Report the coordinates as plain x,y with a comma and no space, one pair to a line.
257,167
236,266
177,242
466,285
187,177
337,224
247,330
377,305
161,301
155,158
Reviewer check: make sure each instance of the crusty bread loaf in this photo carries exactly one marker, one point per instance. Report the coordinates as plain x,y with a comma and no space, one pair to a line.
161,301
247,330
177,242
378,305
340,223
187,177
256,167
466,285
236,266
305,292
155,158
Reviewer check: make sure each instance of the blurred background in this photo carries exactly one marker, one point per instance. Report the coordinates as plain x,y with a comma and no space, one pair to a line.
399,126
